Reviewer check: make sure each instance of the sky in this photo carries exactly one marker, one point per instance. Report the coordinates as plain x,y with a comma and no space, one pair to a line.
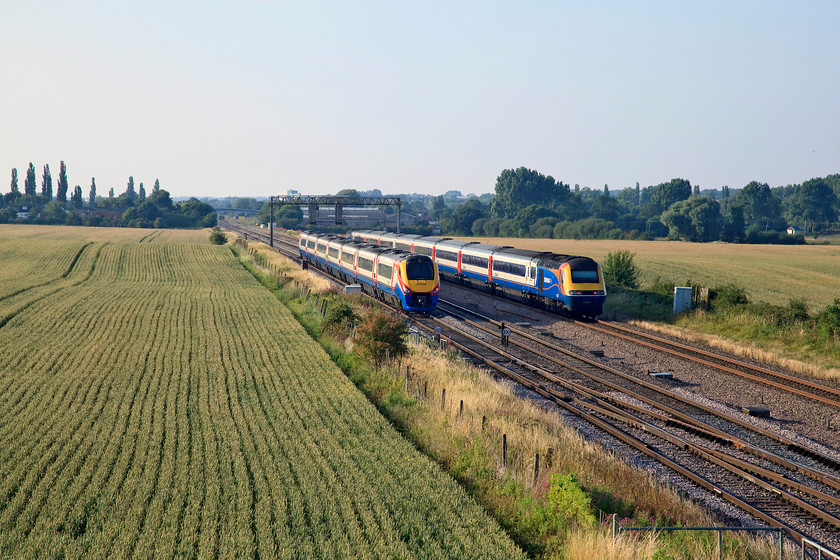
255,97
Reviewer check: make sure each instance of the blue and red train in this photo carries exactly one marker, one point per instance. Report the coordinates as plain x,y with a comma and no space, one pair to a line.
561,283
408,280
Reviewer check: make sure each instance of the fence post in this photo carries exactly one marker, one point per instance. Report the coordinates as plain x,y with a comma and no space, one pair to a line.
443,400
504,450
461,409
536,469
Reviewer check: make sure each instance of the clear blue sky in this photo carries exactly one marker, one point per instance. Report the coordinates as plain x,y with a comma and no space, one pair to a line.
253,97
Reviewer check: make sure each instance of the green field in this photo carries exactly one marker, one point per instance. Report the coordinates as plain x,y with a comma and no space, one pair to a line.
769,273
155,400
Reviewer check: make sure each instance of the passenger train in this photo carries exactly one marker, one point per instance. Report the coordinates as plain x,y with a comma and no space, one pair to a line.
560,283
408,280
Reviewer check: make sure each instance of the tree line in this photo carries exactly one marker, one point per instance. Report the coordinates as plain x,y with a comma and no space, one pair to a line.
530,204
132,208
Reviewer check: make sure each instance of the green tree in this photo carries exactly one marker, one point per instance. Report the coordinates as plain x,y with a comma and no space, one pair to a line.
63,186
54,213
462,218
92,195
348,192
15,190
813,204
695,219
662,196
30,183
46,183
604,207
156,188
130,193
519,188
111,193
77,198
141,193
761,208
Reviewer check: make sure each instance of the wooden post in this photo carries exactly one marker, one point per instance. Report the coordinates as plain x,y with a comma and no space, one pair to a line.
483,422
461,410
425,386
536,468
504,450
443,400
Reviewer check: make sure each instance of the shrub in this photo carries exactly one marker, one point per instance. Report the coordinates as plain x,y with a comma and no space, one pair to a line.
620,270
380,335
341,314
729,295
828,322
217,237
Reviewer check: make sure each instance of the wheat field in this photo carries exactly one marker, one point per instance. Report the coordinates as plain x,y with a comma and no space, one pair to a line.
156,401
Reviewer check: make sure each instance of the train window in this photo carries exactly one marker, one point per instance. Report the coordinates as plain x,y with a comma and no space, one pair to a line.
402,246
347,258
472,260
423,251
311,244
420,270
334,252
385,271
533,272
446,256
321,248
365,264
585,276
509,268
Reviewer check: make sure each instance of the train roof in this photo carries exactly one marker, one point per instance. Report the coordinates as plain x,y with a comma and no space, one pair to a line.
527,253
576,262
482,248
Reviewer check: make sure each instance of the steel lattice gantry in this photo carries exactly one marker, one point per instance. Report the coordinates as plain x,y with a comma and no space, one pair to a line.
314,202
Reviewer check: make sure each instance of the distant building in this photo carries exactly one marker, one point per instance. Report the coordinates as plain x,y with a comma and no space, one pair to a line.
794,230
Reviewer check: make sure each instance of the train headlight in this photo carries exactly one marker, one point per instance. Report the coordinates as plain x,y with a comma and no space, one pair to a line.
436,291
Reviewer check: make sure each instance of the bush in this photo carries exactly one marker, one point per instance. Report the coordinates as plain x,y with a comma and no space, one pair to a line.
620,270
828,322
380,335
217,237
729,295
341,314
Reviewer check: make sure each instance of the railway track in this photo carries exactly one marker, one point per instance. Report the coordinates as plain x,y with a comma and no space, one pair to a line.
785,382
771,477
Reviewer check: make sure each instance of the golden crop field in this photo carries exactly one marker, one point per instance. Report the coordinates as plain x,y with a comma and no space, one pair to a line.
769,273
155,400
112,234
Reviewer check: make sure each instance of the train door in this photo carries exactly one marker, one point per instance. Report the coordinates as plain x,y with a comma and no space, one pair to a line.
540,276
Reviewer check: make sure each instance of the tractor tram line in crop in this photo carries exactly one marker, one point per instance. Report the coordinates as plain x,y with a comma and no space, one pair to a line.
775,479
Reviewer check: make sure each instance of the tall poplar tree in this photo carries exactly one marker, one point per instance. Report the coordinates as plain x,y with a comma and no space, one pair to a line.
141,193
130,193
31,182
156,188
63,186
15,190
46,183
92,195
77,198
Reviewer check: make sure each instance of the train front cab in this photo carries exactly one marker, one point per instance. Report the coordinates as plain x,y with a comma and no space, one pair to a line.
572,284
419,282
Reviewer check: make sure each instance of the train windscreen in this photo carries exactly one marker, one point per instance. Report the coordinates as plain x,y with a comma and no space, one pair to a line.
420,270
585,276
